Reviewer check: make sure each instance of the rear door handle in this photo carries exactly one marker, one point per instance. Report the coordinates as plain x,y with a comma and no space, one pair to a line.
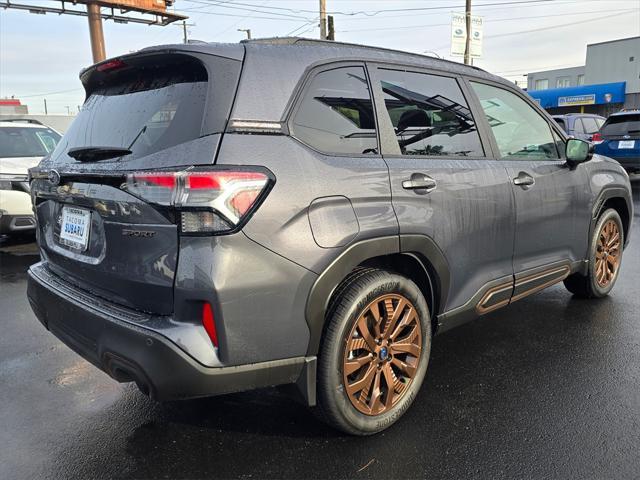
524,180
420,181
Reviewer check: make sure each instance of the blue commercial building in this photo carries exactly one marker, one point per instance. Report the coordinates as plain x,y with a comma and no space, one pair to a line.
608,82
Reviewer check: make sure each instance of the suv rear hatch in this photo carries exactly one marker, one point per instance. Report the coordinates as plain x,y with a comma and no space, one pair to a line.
158,109
620,137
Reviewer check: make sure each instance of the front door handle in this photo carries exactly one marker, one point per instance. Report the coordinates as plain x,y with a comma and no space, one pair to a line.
420,181
524,180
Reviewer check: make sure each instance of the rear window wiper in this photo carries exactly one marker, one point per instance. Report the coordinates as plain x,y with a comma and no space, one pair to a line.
95,154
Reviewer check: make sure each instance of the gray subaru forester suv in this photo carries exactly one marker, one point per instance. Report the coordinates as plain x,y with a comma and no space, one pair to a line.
221,218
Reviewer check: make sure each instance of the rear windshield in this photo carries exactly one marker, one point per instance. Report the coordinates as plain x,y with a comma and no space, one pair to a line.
622,125
27,141
145,110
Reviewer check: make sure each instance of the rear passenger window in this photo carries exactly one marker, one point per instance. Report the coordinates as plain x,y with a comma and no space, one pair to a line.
429,115
336,113
590,125
578,126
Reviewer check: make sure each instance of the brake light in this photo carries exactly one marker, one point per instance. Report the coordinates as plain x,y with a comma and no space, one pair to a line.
209,201
209,323
597,138
111,65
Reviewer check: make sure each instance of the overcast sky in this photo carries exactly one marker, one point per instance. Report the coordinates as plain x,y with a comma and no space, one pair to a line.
41,55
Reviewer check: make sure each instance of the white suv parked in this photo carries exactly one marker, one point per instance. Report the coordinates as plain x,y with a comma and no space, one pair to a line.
23,143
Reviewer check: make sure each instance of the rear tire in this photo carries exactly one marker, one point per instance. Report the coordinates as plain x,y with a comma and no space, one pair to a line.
605,259
374,353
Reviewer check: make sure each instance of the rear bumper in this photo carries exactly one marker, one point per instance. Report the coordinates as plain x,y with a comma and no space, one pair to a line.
129,352
16,214
631,164
16,223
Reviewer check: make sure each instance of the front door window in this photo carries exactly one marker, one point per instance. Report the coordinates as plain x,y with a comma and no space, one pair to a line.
520,132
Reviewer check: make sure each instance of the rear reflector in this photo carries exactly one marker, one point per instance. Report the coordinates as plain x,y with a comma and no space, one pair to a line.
209,201
209,323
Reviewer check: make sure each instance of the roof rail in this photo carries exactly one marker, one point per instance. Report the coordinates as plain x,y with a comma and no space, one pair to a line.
311,41
22,120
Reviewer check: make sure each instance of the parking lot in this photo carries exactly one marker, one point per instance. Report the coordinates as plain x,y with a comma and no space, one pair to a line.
546,388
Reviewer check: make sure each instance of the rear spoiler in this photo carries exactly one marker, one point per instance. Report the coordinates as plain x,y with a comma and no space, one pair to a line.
93,74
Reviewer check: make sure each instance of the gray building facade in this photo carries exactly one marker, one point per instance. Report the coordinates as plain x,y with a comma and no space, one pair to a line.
560,78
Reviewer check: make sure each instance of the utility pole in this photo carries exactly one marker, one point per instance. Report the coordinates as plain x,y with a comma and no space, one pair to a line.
247,31
96,33
467,47
185,38
332,32
323,19
45,107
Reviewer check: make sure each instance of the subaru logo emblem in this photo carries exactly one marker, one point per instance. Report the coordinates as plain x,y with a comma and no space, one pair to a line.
383,353
54,177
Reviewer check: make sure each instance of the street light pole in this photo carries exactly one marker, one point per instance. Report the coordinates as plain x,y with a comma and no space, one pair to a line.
95,32
247,31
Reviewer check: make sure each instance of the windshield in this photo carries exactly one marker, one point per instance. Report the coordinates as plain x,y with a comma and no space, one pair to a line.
27,142
144,112
622,125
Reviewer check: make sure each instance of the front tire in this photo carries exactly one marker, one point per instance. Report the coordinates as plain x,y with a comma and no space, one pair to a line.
605,258
375,351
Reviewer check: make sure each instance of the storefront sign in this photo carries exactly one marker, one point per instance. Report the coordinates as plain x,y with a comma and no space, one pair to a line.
588,99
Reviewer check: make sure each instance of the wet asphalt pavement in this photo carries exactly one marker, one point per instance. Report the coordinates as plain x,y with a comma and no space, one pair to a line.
546,388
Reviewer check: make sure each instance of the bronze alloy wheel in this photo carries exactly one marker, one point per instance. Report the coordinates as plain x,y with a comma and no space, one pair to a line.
382,354
607,253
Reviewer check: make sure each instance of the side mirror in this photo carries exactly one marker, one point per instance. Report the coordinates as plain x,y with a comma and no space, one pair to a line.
578,151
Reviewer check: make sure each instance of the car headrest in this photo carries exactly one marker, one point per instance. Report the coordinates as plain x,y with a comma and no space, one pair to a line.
414,118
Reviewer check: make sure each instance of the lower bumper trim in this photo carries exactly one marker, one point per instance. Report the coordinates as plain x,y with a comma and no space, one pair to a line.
131,353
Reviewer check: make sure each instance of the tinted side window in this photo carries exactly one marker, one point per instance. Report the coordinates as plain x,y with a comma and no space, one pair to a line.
520,131
336,113
578,125
590,125
429,115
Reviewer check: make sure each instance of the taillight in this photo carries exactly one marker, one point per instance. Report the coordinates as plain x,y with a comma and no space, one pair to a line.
208,201
597,138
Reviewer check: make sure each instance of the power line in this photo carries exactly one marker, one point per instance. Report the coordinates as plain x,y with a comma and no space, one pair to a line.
51,93
508,7
490,20
203,2
551,27
220,14
236,24
239,5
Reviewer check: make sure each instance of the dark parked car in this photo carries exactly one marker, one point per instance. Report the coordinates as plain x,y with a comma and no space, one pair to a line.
226,217
580,125
619,139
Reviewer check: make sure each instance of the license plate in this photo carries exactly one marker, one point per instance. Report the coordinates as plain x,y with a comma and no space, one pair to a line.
75,227
626,144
